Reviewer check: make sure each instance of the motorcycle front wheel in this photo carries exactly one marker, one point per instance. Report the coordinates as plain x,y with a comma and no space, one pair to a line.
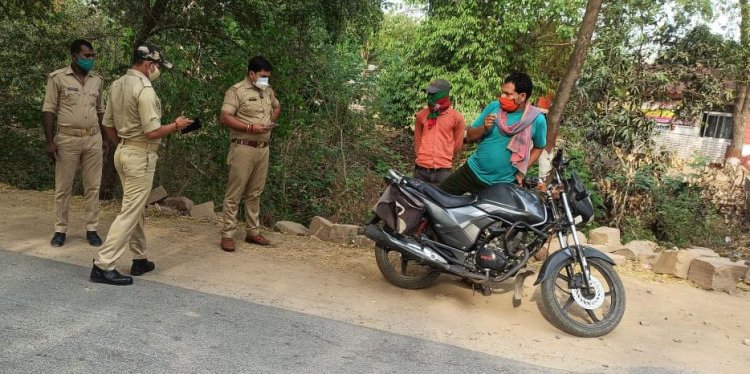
403,271
586,313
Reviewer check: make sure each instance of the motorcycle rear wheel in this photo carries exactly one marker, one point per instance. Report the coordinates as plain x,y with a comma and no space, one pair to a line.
403,271
577,311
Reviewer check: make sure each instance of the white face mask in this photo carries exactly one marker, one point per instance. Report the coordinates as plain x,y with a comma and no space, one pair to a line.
262,82
154,74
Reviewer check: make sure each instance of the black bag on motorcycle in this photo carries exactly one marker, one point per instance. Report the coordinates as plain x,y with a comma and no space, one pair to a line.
399,210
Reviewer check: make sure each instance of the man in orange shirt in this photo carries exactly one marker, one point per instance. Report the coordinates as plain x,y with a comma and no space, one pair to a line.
438,134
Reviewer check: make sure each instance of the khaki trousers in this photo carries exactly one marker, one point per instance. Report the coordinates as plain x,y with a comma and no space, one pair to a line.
135,166
75,151
248,169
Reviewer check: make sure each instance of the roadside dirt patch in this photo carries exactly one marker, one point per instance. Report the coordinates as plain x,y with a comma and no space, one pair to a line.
668,323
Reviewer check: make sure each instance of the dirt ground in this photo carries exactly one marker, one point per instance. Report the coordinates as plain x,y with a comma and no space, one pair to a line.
668,323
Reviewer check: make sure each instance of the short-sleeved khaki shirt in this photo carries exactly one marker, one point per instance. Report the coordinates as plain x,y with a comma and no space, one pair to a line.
75,104
252,105
133,108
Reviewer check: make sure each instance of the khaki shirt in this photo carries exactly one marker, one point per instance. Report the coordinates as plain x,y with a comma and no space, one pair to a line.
133,108
251,105
75,104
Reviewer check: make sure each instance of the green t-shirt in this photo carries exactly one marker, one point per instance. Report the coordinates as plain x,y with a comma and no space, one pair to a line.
491,161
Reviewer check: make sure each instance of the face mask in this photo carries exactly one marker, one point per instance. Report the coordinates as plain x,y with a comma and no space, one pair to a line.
155,74
262,82
85,64
508,105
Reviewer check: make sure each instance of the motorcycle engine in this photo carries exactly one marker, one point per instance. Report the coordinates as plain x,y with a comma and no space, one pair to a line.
490,258
503,250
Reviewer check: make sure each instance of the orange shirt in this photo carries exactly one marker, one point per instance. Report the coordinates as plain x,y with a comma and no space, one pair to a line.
436,146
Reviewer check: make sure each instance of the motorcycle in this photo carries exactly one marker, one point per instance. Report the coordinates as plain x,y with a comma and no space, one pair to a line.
421,232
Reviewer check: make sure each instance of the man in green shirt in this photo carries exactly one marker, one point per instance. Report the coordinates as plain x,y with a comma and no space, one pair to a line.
511,134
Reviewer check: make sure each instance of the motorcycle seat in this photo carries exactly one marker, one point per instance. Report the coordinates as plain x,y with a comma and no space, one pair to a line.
445,199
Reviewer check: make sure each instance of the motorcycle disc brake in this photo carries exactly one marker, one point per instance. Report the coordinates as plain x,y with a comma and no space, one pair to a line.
590,301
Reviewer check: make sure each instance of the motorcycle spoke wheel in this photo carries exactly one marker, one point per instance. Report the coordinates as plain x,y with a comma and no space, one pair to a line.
580,312
403,271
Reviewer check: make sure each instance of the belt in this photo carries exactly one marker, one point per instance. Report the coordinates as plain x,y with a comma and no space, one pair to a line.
251,143
147,146
78,132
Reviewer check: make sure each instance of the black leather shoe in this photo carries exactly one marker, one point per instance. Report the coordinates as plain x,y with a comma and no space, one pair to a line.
58,239
93,238
109,277
141,267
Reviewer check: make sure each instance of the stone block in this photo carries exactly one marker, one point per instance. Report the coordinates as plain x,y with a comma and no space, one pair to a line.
674,262
647,260
160,210
290,228
608,236
716,273
320,228
343,233
703,252
618,259
363,241
179,203
156,195
642,250
204,211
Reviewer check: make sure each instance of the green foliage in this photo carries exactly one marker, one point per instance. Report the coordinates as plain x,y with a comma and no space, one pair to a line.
474,45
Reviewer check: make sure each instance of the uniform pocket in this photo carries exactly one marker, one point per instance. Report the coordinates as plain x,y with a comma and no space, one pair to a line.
70,97
91,98
134,163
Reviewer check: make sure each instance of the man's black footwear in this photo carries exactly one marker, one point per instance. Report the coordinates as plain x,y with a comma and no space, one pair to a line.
93,238
141,267
109,277
58,239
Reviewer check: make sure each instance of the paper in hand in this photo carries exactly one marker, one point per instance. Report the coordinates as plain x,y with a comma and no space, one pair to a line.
193,126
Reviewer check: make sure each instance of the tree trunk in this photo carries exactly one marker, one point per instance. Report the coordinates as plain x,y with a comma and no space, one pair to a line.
741,112
740,117
575,65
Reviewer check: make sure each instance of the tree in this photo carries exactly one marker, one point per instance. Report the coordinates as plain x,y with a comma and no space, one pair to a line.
741,111
577,59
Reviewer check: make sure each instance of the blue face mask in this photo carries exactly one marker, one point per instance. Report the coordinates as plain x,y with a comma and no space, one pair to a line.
85,64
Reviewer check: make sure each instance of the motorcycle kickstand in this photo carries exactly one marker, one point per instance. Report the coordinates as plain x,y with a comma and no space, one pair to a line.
518,286
484,287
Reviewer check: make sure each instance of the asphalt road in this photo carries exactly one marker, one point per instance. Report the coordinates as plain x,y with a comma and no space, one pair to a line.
53,320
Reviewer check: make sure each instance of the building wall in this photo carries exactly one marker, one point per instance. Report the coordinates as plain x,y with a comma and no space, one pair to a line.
686,142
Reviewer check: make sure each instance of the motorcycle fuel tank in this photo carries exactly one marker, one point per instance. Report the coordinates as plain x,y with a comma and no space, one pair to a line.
513,203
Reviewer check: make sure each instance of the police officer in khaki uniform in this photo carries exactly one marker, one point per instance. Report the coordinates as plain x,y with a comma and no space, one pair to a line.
74,98
133,119
250,110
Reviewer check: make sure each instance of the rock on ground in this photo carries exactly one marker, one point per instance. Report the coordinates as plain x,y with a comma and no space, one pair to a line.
204,211
291,228
156,195
677,262
180,203
320,228
716,273
608,236
343,233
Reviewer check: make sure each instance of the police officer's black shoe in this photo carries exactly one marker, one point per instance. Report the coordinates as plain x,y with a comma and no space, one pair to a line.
141,267
112,277
58,239
93,238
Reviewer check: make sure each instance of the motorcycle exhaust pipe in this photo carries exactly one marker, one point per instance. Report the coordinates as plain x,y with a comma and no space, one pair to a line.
430,257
